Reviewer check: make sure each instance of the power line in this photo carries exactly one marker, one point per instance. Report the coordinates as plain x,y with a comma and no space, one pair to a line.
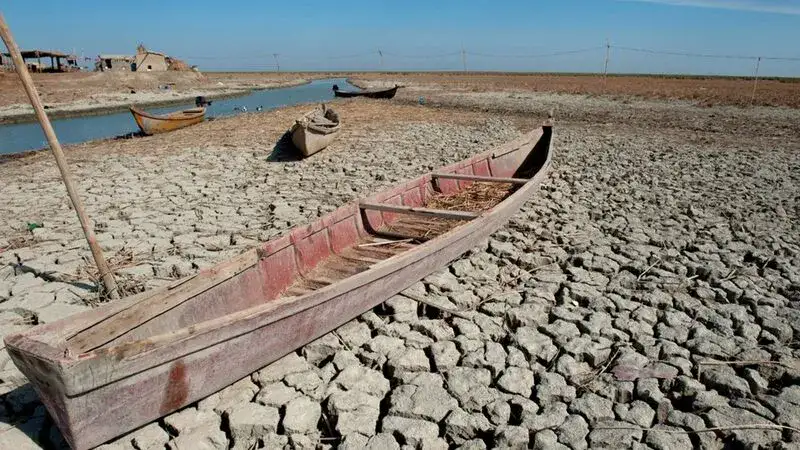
355,55
705,55
227,57
463,52
779,58
268,55
255,61
540,55
440,55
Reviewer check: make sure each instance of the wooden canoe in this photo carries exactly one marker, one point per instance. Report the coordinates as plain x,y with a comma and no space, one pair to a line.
153,124
104,372
370,93
315,130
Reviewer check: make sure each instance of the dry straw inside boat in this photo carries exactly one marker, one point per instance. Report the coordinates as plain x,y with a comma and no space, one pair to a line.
477,197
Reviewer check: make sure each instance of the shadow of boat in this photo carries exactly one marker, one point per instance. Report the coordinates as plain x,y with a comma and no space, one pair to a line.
284,150
126,136
30,418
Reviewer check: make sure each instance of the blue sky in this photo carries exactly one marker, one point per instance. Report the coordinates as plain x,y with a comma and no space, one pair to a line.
424,35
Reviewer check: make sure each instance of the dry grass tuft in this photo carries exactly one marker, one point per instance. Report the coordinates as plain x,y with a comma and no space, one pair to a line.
21,241
125,285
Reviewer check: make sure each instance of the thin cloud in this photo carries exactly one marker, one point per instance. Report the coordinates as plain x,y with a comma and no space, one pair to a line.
768,6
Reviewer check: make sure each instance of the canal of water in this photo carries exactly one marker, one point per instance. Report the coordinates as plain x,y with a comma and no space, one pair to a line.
21,137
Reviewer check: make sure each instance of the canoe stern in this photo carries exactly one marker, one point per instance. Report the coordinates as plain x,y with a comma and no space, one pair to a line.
44,370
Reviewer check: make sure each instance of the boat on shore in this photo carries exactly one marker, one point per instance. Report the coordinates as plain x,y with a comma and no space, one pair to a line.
369,93
315,130
104,372
153,124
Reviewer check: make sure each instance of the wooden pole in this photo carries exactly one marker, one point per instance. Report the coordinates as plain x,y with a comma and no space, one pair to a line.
36,102
755,82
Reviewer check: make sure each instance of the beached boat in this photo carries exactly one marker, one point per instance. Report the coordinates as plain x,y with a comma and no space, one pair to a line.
315,130
370,93
153,124
107,371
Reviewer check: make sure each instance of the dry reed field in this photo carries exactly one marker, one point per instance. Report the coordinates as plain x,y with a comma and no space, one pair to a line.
704,91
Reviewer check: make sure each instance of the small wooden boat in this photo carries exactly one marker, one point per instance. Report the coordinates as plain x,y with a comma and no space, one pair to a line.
315,130
104,372
370,93
153,124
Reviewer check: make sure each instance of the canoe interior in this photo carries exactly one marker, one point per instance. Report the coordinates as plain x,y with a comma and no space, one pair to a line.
397,235
177,115
323,116
308,258
186,113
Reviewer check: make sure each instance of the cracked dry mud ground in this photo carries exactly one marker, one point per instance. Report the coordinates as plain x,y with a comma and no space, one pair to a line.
652,282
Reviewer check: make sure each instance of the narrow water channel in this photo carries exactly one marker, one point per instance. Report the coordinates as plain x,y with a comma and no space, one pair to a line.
21,137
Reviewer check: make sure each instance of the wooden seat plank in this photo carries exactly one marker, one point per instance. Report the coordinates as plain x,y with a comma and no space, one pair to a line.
458,176
441,213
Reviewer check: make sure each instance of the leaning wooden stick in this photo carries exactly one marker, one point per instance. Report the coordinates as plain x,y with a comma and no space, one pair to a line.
443,309
30,89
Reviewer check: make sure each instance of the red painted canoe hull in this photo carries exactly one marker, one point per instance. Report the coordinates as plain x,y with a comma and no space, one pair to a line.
105,372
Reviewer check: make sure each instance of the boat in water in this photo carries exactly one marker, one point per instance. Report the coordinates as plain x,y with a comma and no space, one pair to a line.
154,124
104,372
369,93
315,130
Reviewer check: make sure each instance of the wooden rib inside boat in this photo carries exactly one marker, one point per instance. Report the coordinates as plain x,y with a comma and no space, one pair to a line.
104,372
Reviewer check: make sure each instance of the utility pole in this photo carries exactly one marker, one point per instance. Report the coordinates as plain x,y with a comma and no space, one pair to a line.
608,55
755,81
380,53
463,57
277,63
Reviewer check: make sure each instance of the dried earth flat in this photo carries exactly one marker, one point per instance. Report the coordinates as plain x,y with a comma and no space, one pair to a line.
649,290
703,91
89,90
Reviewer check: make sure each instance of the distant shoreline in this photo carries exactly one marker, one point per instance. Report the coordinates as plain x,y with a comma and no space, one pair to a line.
78,110
687,76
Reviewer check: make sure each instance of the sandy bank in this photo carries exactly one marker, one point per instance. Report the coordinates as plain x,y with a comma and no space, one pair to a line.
104,103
